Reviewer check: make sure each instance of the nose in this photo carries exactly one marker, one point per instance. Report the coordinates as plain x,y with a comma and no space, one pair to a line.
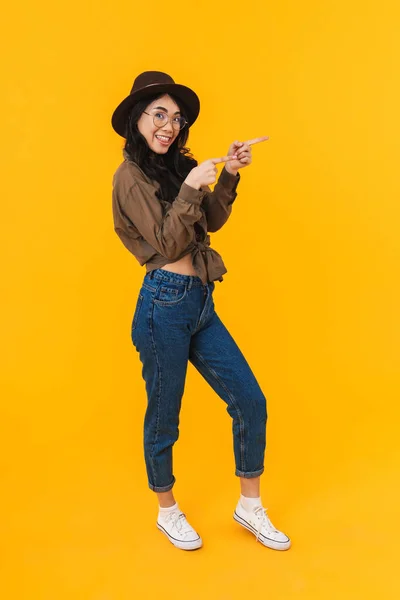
167,127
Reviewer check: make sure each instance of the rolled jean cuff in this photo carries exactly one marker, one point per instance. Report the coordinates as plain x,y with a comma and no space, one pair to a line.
249,474
158,489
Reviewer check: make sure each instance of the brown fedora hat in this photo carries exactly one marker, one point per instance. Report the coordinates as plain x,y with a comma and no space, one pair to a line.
154,82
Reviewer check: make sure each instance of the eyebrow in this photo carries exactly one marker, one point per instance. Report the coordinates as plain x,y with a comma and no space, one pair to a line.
178,112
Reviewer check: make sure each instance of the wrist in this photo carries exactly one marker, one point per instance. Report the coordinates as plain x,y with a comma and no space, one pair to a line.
230,171
192,183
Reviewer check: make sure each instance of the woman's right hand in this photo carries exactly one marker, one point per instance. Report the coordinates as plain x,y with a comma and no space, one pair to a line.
206,172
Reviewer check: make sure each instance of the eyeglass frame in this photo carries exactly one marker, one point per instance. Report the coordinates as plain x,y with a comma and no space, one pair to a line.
169,120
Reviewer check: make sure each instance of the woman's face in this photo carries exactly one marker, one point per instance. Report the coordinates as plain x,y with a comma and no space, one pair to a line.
159,139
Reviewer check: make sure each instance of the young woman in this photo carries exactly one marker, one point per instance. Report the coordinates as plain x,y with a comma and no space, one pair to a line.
163,210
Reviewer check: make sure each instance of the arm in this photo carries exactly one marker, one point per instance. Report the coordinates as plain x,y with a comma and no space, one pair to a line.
135,202
218,203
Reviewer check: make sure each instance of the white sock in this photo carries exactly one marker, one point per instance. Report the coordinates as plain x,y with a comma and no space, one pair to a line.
249,503
163,512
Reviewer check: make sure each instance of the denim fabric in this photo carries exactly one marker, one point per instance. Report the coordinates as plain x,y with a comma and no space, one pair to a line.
174,322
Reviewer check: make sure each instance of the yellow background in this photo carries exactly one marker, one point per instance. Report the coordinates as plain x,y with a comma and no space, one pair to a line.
312,296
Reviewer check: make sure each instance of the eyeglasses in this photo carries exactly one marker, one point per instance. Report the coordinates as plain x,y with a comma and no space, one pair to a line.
160,119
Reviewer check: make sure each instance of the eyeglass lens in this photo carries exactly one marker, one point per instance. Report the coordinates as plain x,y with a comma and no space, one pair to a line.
160,119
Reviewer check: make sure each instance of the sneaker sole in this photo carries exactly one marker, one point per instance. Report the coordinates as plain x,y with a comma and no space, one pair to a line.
193,545
273,544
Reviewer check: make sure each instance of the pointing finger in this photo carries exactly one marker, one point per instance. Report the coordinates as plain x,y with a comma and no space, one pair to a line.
215,161
257,140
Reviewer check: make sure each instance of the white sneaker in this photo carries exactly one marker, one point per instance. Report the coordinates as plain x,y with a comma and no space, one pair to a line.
175,526
258,523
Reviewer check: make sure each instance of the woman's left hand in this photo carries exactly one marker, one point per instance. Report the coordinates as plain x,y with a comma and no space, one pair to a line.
243,152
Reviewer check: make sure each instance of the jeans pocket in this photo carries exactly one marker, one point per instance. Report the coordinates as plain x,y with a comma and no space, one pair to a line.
137,311
169,294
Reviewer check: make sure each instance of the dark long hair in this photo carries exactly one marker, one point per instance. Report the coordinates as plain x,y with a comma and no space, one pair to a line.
170,169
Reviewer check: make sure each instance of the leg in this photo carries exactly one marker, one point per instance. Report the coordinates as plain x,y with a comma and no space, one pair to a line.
217,357
162,340
161,333
215,354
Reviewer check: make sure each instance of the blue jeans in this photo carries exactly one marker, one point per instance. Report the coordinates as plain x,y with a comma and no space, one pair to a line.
174,322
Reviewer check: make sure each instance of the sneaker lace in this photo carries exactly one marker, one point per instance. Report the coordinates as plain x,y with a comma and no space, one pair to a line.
264,521
179,522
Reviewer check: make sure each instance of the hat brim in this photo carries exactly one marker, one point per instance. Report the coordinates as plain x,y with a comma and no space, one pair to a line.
188,97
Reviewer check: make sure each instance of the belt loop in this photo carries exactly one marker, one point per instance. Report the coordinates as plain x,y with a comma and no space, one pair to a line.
151,274
189,287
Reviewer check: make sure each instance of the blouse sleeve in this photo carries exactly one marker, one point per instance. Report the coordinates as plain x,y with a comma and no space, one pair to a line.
218,203
168,232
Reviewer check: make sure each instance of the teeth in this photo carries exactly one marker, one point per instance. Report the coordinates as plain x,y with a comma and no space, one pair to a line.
163,138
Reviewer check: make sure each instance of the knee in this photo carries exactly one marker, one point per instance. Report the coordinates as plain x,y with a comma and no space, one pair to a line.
158,439
254,409
262,412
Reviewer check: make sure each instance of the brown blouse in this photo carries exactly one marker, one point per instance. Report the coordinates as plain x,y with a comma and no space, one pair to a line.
158,232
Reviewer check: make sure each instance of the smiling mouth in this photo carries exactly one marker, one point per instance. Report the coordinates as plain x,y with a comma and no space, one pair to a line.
163,139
